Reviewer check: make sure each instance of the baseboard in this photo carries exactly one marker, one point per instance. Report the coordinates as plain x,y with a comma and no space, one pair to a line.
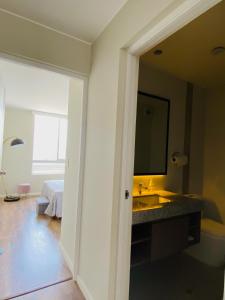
79,281
67,258
84,289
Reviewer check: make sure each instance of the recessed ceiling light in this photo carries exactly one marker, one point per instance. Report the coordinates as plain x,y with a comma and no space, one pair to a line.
158,52
218,50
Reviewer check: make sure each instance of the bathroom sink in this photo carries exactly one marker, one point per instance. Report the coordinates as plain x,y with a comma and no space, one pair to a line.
149,202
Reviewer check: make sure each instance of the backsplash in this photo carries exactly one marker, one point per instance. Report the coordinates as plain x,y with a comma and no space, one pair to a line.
150,184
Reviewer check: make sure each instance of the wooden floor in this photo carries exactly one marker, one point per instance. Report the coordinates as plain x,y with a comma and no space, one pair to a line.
63,291
30,256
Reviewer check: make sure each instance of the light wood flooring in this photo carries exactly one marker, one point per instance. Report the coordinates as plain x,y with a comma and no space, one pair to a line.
30,258
62,291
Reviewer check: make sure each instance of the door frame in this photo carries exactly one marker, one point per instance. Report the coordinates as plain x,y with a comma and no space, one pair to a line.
74,267
182,14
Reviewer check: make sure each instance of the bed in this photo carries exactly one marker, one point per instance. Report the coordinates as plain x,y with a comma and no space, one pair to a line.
53,191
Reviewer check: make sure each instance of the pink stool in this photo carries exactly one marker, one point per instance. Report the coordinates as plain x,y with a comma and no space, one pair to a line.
23,189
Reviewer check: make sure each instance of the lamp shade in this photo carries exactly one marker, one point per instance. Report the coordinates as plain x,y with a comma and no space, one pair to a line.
16,142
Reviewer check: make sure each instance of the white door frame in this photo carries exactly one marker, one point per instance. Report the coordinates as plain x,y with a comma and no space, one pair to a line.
84,78
80,191
184,13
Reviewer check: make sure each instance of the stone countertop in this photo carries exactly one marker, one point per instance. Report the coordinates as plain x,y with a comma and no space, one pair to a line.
180,205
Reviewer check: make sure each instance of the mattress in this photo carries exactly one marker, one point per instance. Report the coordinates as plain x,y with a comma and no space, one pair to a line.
53,191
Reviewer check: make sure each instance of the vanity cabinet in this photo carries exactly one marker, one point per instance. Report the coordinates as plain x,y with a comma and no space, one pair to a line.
169,237
153,241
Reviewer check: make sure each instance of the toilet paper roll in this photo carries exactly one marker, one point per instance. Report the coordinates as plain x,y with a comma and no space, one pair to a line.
179,160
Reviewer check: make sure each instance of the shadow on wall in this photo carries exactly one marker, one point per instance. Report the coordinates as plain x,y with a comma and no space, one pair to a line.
212,211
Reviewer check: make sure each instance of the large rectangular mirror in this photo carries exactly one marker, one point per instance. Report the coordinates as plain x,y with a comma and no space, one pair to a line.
152,129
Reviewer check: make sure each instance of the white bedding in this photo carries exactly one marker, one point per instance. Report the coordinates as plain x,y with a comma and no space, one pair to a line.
53,191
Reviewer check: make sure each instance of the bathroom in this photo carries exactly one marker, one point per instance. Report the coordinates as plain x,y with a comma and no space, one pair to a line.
180,161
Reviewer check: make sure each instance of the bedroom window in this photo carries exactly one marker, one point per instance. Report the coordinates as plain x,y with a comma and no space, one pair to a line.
49,144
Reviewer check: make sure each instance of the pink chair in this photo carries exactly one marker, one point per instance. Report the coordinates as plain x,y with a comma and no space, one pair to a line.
23,189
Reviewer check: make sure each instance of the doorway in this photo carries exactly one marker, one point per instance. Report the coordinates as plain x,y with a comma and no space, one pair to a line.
72,195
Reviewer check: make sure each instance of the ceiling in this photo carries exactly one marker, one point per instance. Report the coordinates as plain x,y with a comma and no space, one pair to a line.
31,88
83,19
187,53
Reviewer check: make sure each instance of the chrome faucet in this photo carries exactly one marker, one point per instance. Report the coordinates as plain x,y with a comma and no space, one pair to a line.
140,186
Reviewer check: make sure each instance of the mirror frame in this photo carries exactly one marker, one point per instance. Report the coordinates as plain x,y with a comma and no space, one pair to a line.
167,135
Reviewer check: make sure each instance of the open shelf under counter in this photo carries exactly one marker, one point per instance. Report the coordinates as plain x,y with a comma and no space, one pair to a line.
152,241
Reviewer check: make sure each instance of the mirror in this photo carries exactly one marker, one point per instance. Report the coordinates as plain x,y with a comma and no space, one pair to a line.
152,128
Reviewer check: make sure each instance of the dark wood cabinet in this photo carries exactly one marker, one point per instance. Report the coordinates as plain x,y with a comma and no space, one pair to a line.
141,243
153,241
169,237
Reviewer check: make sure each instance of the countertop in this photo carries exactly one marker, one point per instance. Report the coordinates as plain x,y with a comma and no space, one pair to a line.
181,205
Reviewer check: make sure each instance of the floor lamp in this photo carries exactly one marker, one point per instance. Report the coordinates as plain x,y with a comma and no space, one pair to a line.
14,142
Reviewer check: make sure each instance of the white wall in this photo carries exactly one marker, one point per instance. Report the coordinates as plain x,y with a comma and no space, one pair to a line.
196,161
2,117
70,218
214,156
17,161
32,88
22,38
99,219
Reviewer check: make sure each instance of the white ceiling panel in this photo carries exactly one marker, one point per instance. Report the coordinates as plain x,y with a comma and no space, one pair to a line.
83,19
31,88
